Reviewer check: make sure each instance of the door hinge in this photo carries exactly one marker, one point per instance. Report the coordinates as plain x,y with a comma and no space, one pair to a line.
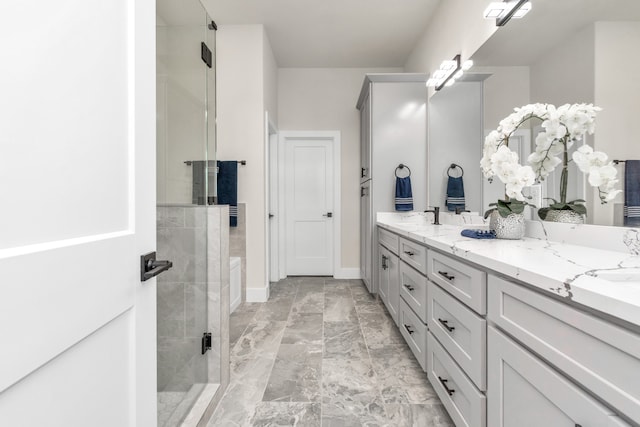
206,342
205,54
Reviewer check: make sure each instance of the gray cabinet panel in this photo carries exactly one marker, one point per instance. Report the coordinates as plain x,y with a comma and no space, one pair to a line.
366,231
383,272
413,289
467,283
414,254
601,356
393,297
464,402
460,331
414,333
525,392
389,240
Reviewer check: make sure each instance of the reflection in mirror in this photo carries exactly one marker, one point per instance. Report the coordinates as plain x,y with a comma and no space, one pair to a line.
569,51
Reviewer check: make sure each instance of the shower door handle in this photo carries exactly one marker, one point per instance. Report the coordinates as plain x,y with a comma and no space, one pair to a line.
151,267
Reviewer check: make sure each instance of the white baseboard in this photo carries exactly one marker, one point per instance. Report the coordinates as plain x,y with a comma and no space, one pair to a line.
347,273
258,294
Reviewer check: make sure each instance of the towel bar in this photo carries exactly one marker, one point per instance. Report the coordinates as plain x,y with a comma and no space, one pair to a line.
190,162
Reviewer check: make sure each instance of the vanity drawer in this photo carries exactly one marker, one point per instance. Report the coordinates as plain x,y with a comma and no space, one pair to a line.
603,357
414,332
460,331
414,254
466,405
525,391
464,282
413,289
388,240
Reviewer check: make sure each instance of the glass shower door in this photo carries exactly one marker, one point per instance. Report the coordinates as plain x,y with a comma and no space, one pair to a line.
182,183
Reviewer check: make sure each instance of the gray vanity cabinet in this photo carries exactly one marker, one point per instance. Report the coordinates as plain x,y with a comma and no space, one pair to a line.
388,277
389,137
526,392
602,357
500,353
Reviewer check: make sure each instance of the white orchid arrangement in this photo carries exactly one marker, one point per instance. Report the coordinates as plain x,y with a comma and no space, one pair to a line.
563,127
498,160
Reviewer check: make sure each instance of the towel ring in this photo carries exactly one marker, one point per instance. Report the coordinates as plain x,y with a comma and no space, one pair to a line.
401,166
454,166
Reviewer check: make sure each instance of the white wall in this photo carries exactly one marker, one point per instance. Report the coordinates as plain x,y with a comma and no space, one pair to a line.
457,27
325,99
506,89
245,83
566,74
617,91
270,80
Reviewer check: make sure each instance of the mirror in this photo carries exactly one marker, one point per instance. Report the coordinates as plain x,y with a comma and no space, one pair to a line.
568,51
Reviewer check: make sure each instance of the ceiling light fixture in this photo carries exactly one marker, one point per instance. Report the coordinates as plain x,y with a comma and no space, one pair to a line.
503,11
448,73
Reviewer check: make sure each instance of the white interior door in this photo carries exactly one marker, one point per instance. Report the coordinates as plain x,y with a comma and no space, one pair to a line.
77,162
309,181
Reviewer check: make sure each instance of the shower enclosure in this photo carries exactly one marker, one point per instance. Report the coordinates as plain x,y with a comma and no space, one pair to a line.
192,353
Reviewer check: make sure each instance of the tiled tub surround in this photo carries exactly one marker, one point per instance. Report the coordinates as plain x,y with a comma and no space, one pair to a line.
533,308
607,281
193,297
238,245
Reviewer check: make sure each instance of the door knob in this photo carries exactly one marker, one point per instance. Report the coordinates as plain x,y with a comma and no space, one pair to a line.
328,215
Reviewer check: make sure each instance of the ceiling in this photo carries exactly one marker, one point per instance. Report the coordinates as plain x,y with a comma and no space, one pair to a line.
523,41
332,33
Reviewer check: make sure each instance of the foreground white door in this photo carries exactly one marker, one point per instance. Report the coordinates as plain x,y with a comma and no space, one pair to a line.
309,193
77,190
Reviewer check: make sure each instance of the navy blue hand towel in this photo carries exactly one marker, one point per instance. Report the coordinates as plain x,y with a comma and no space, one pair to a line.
228,188
404,197
455,193
632,193
479,234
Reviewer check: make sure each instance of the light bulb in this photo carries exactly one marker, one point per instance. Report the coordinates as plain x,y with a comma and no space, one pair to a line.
495,10
466,65
524,9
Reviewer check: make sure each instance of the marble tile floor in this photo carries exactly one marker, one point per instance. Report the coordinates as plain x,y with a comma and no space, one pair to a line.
323,352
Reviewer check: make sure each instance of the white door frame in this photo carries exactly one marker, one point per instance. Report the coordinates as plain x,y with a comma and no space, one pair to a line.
283,138
272,243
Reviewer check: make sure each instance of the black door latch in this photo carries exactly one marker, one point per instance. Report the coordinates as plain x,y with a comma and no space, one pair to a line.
151,267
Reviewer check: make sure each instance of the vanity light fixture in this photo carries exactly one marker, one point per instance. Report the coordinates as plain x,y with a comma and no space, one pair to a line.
503,11
448,73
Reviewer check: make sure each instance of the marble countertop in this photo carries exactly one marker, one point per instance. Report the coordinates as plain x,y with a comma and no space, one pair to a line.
604,280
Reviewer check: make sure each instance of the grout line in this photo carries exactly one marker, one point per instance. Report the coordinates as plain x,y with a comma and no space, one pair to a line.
366,344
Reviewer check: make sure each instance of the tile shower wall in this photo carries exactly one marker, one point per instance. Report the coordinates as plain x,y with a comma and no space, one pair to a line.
181,233
193,296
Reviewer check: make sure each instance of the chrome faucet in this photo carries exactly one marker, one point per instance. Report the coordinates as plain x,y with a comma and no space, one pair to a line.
436,214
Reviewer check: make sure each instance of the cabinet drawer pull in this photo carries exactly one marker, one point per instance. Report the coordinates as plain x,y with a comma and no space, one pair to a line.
445,323
408,328
409,287
446,275
384,262
444,384
409,253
